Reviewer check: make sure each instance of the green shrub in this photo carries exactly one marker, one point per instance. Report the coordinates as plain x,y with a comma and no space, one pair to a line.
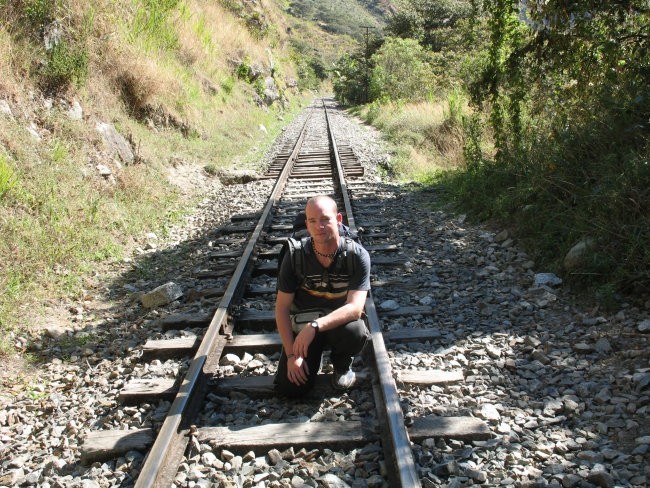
7,177
400,71
228,84
67,64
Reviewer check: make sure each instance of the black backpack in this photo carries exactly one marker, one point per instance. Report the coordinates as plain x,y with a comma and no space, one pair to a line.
300,237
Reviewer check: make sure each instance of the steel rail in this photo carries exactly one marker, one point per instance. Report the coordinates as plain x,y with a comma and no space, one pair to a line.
170,433
401,448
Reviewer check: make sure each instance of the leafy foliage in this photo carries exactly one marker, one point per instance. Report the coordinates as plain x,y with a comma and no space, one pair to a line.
350,79
400,71
566,93
67,63
435,24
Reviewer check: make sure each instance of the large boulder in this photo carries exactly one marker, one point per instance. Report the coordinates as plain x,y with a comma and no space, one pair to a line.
576,255
116,142
271,92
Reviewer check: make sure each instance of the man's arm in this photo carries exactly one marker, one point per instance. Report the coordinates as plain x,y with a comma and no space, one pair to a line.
297,369
283,319
349,312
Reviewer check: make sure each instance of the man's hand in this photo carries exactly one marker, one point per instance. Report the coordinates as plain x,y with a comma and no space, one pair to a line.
297,370
303,340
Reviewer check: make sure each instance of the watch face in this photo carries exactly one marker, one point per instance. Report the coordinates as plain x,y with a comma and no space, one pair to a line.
314,324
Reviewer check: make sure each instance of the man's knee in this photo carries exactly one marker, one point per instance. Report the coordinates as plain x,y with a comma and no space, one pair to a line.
356,333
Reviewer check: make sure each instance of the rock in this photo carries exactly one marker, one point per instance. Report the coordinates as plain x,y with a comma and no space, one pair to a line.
501,236
576,254
229,359
75,112
389,305
643,440
583,348
104,170
489,412
208,458
115,142
263,129
52,34
603,346
5,109
55,331
162,295
330,480
226,455
600,477
271,93
33,130
644,326
547,279
274,457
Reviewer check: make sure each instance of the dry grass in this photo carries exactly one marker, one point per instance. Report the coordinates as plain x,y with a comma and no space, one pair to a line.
427,136
63,219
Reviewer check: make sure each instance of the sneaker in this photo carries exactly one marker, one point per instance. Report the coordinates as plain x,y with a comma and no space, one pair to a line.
343,381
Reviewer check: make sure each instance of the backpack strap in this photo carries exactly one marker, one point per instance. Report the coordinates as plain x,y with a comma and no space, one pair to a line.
296,248
349,251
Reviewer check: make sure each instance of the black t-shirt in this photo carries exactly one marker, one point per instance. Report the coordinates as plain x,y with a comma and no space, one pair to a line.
325,288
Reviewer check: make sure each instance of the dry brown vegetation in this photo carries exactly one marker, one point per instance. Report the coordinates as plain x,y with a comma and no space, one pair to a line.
168,83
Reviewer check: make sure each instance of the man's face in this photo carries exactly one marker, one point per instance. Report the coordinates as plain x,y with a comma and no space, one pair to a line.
322,221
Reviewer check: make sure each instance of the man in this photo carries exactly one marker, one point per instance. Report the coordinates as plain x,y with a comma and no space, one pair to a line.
323,307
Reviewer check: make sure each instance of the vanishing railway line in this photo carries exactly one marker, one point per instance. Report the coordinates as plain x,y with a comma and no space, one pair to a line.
243,324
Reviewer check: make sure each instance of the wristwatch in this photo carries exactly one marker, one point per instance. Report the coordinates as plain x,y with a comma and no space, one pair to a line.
314,325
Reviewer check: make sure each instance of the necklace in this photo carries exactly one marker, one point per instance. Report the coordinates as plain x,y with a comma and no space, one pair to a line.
328,256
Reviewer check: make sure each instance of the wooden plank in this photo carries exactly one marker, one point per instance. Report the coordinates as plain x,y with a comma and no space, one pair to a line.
382,248
406,311
457,428
144,390
226,254
256,291
262,386
170,348
109,444
215,273
388,261
243,217
412,335
254,342
185,320
269,268
183,346
237,229
264,437
256,318
429,377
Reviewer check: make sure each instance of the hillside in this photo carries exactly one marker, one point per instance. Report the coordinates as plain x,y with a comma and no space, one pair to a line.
345,17
114,114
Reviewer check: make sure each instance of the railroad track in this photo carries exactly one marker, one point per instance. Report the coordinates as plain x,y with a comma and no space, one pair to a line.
242,325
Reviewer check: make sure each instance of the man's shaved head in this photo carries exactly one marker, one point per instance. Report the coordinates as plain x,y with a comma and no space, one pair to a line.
322,201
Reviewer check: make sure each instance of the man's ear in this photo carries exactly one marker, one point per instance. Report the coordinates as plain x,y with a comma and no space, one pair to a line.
339,217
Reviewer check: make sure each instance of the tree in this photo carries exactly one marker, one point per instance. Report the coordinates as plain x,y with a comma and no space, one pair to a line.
401,71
